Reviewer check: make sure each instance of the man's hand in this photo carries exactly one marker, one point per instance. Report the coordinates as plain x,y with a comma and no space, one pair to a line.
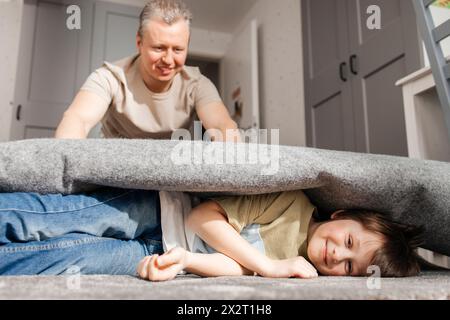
164,267
218,123
297,267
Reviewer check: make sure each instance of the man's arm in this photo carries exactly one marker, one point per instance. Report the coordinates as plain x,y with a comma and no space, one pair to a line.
86,110
215,116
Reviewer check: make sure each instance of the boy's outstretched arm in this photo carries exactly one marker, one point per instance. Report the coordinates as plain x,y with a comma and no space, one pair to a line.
168,265
209,222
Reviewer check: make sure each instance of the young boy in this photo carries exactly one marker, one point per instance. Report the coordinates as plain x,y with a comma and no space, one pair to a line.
120,231
280,235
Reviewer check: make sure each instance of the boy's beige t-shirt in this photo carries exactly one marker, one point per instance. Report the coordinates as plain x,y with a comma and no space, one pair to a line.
278,220
135,112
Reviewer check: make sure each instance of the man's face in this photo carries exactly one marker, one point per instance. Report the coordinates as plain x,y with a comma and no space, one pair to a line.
163,49
342,247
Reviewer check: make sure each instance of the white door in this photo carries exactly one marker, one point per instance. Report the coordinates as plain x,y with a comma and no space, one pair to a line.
114,34
53,62
240,74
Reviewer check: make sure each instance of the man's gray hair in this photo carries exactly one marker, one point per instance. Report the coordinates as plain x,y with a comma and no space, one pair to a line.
169,10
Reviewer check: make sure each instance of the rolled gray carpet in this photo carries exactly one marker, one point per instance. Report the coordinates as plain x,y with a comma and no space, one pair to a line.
409,190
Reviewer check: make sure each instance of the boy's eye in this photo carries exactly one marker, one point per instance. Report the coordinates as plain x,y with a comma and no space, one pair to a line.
349,267
350,242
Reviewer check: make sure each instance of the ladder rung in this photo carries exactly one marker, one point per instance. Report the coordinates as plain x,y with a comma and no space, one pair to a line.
447,71
442,31
427,3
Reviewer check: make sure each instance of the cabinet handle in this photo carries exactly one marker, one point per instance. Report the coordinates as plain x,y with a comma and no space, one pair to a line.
354,64
18,111
341,71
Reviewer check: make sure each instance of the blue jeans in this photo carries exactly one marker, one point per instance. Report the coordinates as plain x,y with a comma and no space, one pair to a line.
107,231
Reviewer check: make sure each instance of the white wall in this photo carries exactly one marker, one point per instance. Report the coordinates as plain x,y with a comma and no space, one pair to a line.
10,21
280,68
206,43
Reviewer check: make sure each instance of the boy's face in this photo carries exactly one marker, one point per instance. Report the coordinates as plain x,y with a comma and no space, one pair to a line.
341,247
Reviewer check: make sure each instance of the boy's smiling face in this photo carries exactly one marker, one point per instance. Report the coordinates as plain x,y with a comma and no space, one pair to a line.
341,247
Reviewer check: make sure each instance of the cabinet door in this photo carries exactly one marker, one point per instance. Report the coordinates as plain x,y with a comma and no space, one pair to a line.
328,98
53,62
382,56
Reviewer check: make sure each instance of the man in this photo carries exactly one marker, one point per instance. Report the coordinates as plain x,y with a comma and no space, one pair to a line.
151,94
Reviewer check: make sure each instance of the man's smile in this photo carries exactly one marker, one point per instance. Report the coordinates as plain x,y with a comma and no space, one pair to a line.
165,70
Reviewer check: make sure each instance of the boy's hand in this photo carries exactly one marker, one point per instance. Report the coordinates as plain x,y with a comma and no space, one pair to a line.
164,267
297,267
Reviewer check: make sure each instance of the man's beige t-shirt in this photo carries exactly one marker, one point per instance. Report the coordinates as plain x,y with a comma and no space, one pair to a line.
275,223
135,112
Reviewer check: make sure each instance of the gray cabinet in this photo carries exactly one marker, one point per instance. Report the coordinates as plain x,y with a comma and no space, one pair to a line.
352,102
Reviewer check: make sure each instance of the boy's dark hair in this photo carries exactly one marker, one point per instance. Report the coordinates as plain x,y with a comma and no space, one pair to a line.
397,257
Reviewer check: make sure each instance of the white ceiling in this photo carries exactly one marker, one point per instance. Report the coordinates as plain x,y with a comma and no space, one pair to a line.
218,15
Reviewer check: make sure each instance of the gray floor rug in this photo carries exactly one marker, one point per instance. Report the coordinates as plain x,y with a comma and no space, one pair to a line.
429,285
